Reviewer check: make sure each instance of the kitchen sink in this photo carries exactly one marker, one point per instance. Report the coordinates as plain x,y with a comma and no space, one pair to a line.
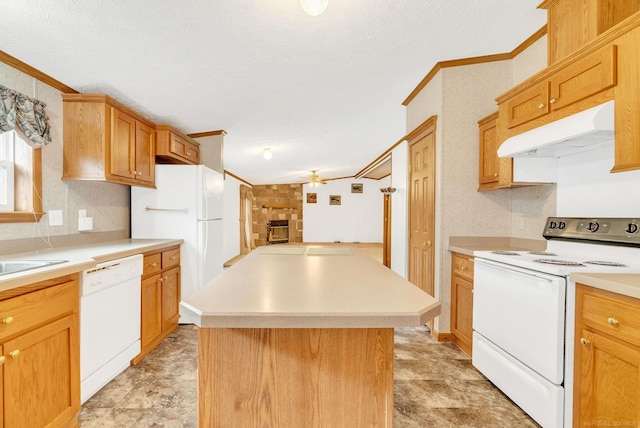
13,266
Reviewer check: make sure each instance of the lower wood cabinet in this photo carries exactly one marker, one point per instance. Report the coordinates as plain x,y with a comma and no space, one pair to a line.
40,355
607,359
462,301
160,298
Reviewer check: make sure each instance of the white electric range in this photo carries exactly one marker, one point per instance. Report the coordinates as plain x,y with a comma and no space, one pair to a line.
524,309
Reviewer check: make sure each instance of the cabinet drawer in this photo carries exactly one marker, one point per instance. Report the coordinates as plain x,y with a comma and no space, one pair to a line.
617,318
152,264
20,314
462,266
170,258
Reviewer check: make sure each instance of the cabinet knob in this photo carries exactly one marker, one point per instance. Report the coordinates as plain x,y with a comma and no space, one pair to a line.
495,174
188,153
139,172
612,321
133,172
154,264
161,279
426,244
14,354
173,257
553,100
463,268
166,277
541,105
7,320
584,341
2,359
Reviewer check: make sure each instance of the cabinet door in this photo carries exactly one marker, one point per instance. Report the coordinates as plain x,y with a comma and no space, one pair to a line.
170,297
528,105
150,323
42,376
584,78
489,166
122,147
609,373
462,312
145,153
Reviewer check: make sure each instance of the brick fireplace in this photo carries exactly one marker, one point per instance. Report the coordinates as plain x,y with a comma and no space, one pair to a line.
280,203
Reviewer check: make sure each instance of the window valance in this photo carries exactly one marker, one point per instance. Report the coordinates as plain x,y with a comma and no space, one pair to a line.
25,113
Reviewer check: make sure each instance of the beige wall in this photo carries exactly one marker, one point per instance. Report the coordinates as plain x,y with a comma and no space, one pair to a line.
459,97
212,152
107,203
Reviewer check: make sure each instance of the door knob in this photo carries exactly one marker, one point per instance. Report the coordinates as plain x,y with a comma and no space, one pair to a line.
14,354
584,341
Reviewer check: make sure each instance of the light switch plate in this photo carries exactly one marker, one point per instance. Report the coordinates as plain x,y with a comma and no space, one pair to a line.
55,217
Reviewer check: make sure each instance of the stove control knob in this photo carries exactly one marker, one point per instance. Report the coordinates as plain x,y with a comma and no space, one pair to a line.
562,225
593,226
553,224
631,228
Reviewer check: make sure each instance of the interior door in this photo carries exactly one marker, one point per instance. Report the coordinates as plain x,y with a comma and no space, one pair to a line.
422,206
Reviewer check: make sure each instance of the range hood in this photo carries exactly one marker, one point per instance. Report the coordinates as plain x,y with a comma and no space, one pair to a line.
587,130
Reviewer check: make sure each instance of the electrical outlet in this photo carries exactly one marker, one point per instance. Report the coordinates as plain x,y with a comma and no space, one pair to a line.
55,217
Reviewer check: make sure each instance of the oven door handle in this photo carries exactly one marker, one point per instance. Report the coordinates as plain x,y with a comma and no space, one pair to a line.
518,270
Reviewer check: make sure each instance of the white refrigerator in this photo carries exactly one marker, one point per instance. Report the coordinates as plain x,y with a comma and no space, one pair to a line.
186,204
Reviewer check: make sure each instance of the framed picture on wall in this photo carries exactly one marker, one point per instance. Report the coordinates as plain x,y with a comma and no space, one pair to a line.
312,198
356,187
335,199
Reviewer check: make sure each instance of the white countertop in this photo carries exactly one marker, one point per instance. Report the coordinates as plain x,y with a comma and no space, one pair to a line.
78,258
284,286
621,283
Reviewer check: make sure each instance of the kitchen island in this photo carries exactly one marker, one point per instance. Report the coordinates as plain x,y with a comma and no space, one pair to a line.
301,336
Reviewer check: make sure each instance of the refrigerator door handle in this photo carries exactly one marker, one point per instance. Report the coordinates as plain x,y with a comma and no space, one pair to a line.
182,210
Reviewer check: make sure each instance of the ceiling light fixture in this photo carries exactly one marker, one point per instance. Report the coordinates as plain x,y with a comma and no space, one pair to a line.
314,7
266,152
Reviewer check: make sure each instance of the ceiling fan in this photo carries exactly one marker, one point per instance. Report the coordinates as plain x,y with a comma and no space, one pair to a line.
314,179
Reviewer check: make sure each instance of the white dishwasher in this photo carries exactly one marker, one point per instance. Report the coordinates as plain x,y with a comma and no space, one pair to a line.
109,321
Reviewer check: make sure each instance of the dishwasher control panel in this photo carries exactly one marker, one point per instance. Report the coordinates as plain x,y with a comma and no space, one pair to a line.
110,273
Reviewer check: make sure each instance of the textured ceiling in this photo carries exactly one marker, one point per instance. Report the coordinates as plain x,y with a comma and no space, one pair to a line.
323,92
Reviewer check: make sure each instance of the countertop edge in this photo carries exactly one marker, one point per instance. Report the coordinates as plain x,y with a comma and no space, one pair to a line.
314,320
78,263
623,284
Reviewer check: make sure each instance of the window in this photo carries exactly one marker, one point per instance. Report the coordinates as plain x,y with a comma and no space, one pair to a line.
6,172
20,180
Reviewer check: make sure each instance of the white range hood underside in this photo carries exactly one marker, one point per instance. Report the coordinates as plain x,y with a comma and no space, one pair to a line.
587,130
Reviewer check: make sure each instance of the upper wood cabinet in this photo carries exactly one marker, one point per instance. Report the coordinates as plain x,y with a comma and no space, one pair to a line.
174,147
573,24
606,69
501,173
105,140
578,80
489,163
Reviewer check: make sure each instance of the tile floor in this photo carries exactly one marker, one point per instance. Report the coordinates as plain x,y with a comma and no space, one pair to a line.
435,386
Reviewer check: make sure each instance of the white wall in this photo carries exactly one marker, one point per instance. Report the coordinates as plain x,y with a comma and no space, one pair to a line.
359,218
231,218
586,188
399,209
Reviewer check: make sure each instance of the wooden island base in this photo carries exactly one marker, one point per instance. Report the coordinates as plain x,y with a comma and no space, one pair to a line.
295,377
